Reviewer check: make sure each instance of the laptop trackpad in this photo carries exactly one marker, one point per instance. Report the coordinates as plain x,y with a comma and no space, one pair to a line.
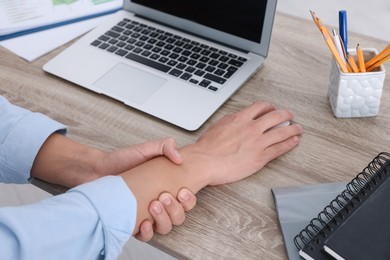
124,82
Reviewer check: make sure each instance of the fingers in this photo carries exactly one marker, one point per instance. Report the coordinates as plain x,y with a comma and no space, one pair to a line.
281,148
173,208
162,220
166,212
258,109
169,149
145,231
187,199
273,118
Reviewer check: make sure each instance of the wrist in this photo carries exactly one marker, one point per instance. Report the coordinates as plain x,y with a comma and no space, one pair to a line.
196,165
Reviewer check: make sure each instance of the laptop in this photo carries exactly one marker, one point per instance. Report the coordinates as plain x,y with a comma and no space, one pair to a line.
176,60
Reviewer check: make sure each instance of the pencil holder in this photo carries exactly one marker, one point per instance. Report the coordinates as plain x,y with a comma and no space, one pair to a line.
356,94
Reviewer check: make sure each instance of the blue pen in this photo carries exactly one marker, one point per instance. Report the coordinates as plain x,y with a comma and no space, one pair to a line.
343,30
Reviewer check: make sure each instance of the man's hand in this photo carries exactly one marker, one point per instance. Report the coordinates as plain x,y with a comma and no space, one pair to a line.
167,212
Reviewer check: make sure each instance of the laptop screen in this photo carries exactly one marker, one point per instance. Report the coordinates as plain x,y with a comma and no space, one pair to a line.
244,18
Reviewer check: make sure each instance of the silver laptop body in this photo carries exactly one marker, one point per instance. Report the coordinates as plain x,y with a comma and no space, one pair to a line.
237,33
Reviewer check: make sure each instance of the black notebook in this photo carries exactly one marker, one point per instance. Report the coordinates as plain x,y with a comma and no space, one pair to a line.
356,224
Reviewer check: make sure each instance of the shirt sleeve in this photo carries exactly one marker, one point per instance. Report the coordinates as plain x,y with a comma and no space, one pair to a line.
22,134
91,221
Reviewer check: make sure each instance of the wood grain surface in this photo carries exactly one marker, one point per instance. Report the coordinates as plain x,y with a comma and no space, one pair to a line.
235,221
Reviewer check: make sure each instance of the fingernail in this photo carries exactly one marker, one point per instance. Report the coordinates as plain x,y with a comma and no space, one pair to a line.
157,209
146,228
185,195
177,154
166,200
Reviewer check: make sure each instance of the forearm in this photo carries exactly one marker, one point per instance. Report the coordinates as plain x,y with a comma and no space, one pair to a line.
159,175
66,162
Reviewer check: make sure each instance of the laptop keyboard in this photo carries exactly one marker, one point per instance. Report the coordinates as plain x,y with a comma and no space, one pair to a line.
202,65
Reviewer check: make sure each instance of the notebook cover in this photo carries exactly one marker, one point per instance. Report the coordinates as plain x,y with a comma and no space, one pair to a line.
366,232
354,209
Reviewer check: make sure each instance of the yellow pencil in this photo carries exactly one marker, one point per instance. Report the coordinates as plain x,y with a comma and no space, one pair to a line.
335,53
329,42
315,18
349,68
379,63
359,53
319,23
378,57
352,63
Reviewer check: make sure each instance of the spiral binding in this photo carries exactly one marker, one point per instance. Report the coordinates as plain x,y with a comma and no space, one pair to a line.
363,182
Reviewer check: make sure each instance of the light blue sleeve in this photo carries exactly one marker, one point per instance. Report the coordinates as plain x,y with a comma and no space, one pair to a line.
22,134
91,221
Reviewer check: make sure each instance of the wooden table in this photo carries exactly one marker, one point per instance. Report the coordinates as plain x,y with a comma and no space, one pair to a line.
236,221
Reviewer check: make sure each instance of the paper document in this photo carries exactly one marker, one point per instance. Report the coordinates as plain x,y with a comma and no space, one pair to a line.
25,16
34,45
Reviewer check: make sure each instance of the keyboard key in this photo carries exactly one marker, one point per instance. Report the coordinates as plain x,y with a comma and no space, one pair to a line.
146,53
148,62
235,63
117,29
213,88
138,50
104,38
194,81
163,59
172,63
103,46
214,78
165,53
129,47
190,69
112,48
112,34
200,65
181,66
186,76
176,72
182,59
219,72
199,73
205,83
223,58
174,56
209,69
169,46
197,49
112,41
242,59
148,46
123,38
121,52
213,63
223,66
191,62
131,40
154,56
96,43
215,55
